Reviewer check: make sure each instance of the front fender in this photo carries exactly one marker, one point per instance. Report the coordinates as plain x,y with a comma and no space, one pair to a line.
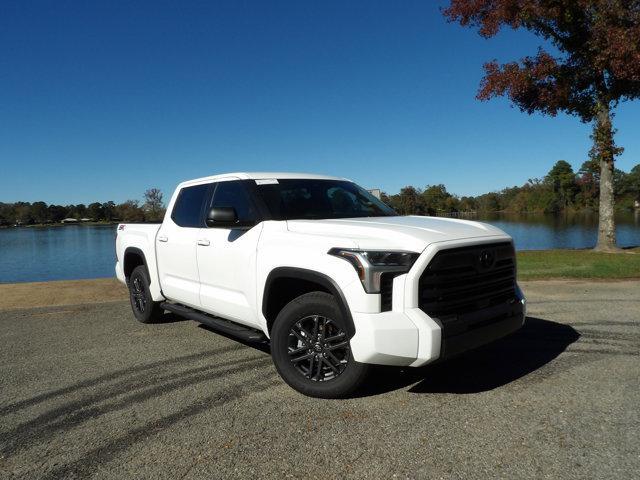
310,276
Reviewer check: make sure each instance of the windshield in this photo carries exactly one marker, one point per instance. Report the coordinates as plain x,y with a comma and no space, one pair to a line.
320,199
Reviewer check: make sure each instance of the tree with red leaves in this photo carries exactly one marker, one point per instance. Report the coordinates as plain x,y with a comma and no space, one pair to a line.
598,65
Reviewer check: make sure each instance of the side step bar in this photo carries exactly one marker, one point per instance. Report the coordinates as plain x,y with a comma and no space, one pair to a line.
245,333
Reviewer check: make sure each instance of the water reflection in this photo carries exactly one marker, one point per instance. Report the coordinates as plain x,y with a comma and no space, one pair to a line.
580,230
79,251
56,253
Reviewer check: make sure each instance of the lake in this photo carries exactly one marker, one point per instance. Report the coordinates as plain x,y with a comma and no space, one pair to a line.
82,251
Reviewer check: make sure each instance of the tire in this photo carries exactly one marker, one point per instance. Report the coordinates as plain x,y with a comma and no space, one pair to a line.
317,364
144,308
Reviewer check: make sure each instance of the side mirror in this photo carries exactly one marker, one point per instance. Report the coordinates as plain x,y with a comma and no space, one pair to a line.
222,217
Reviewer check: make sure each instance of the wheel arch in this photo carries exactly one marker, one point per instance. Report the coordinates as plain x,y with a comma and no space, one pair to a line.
300,281
133,257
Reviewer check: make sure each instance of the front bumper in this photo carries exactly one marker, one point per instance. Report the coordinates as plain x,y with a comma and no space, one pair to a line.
407,336
394,338
412,338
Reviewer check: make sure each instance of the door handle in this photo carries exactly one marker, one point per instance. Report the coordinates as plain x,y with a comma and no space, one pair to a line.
163,238
204,243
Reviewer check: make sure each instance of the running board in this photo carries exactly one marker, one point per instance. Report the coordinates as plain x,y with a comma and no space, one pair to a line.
245,333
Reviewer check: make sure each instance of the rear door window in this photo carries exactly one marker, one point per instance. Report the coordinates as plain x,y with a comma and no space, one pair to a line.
187,212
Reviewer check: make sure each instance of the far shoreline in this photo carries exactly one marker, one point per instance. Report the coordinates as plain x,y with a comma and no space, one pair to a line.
60,224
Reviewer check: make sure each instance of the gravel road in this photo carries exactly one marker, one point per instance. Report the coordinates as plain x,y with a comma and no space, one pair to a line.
87,392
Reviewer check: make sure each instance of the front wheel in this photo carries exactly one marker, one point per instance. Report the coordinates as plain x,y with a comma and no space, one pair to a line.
144,308
311,350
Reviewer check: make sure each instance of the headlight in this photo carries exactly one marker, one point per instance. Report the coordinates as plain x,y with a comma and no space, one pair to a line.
371,264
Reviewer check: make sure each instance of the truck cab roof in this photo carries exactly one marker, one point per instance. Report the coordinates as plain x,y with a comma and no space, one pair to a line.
258,176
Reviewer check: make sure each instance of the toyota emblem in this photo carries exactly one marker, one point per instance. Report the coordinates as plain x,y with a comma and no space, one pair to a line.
486,259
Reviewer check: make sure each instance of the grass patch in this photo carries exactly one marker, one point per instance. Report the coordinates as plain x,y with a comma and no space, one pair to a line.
544,264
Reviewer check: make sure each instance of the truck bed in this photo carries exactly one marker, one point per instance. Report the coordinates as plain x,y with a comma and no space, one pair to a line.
142,238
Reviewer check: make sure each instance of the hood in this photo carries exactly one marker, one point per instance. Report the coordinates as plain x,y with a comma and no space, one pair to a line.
412,233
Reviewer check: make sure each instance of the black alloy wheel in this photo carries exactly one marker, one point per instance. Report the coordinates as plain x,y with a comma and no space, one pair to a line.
318,348
311,348
144,308
138,295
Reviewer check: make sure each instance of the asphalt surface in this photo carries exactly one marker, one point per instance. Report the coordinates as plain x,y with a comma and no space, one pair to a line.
87,392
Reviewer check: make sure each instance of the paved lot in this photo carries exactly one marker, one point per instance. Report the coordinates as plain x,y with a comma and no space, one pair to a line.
88,392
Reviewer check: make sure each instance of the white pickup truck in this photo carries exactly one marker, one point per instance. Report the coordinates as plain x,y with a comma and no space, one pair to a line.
333,277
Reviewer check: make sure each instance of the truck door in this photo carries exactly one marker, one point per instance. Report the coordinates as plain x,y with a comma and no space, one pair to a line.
227,257
176,246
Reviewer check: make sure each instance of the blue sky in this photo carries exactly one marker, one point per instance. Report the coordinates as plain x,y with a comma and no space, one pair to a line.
101,100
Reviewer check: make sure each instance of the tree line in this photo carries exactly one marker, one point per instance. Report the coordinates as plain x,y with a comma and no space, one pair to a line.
561,190
25,213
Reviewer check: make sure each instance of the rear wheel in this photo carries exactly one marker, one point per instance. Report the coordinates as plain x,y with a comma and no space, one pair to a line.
144,308
310,348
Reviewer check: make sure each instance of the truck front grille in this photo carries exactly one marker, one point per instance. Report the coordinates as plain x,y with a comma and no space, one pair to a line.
468,279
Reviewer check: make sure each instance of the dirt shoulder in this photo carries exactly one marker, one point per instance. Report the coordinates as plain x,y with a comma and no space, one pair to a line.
64,292
76,292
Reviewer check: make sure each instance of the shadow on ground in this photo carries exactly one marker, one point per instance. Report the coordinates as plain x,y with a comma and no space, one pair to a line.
536,344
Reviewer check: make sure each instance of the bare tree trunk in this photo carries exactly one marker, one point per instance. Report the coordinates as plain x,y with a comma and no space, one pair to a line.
606,151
